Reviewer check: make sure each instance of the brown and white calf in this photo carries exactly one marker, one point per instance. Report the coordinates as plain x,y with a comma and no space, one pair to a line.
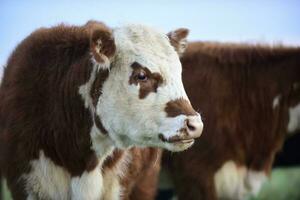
245,94
72,95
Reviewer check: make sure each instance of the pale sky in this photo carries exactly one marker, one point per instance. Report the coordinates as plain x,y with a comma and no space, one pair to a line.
267,21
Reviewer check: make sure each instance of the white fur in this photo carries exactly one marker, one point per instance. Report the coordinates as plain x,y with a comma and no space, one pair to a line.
88,186
102,144
152,49
276,101
112,188
171,125
294,119
47,180
237,182
86,88
132,121
254,181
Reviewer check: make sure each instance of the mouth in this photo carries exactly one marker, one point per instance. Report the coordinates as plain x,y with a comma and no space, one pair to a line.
176,139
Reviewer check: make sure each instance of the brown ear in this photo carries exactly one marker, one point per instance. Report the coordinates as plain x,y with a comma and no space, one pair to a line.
178,39
102,43
92,24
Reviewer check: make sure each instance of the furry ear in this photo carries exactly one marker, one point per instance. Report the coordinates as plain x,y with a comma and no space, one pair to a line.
102,43
178,39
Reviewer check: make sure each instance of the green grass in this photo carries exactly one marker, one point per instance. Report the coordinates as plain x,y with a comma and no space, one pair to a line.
6,195
284,184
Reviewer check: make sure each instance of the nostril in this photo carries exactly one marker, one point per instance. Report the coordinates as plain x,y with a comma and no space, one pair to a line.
189,126
193,126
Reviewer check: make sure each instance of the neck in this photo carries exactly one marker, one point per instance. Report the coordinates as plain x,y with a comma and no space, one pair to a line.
90,92
102,144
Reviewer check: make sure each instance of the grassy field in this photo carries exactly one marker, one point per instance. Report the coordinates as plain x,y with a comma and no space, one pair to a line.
284,184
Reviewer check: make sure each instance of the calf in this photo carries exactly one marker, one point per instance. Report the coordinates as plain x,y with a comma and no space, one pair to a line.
244,93
72,95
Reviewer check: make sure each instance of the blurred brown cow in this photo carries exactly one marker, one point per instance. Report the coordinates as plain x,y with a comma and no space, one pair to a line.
245,94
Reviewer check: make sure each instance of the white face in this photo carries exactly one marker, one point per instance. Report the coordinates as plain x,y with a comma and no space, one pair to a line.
143,101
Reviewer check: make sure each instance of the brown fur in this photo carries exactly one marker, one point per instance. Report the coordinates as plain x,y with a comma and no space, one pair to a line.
95,93
140,181
99,124
40,108
178,39
179,107
102,43
101,77
113,160
141,173
153,81
234,86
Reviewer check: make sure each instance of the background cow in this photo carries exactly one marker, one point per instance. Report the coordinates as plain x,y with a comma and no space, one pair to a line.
244,93
290,154
71,95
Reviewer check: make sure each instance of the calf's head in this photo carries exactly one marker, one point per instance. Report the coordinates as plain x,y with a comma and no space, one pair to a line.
143,101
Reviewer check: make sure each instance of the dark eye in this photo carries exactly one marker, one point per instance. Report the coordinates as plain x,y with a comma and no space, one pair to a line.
142,76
